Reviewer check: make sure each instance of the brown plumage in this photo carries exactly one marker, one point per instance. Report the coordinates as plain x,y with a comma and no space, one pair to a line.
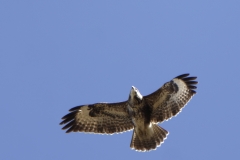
141,113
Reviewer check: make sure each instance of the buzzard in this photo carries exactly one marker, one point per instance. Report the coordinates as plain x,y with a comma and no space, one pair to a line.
140,113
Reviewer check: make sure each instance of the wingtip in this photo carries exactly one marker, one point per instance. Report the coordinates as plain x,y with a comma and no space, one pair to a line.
75,108
70,115
194,92
189,78
190,82
182,75
67,131
70,129
192,87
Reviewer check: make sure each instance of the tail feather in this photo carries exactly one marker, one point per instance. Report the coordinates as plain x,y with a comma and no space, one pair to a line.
162,133
148,140
159,134
136,143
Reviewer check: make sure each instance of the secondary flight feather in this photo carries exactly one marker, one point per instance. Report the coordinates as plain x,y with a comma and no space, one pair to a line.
140,113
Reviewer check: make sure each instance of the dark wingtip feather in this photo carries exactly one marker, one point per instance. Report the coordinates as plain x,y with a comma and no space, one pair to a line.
75,108
70,124
189,78
69,121
193,92
61,123
192,82
189,82
182,76
70,129
69,115
192,87
66,121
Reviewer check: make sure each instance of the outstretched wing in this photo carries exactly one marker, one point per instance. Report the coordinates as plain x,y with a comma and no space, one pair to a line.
105,118
169,100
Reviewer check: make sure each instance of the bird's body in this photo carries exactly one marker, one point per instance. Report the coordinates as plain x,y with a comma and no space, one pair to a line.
140,113
146,135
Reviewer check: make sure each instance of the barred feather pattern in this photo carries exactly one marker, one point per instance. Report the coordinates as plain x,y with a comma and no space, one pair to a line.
169,100
98,118
152,138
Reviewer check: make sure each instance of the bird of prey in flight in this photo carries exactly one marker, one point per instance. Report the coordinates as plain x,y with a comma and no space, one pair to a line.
140,113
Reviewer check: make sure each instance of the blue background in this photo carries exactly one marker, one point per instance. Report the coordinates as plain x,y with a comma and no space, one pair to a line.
55,55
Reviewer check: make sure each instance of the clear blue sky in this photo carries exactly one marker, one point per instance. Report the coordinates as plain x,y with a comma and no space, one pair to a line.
55,55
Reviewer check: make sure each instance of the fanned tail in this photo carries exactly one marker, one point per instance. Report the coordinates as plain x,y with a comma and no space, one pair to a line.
148,140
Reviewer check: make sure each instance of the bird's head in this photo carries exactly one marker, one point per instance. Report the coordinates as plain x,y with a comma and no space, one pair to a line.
135,94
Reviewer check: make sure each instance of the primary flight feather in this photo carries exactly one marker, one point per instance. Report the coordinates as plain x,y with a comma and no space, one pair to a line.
140,113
